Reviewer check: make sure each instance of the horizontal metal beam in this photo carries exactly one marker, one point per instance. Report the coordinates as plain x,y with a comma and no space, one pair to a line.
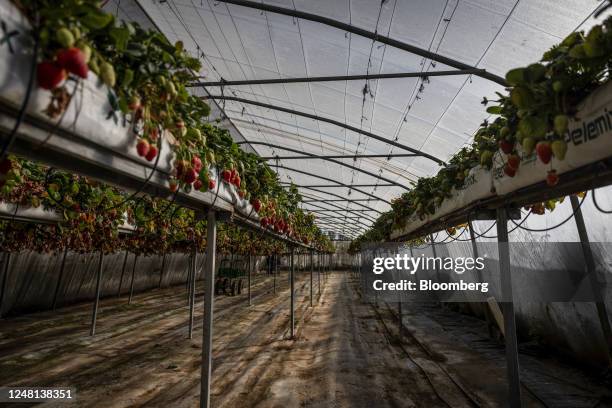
327,120
336,195
336,200
471,71
367,34
323,210
337,186
364,216
280,166
341,156
311,155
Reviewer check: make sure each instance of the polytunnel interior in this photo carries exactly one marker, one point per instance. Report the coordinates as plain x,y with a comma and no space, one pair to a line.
236,203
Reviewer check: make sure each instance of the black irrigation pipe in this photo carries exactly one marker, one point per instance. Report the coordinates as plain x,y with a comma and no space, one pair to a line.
556,226
24,105
597,204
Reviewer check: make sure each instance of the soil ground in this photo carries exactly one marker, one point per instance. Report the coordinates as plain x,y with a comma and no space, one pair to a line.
346,353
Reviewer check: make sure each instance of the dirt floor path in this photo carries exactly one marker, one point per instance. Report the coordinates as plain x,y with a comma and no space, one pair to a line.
346,353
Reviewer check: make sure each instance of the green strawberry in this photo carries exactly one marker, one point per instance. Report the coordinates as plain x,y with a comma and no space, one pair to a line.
107,74
561,122
65,37
559,149
486,158
528,145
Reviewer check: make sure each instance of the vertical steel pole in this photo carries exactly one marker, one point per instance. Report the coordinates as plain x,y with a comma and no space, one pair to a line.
311,272
485,305
7,261
94,314
249,279
512,360
132,280
192,273
59,279
209,297
291,272
602,312
319,274
122,273
274,271
161,272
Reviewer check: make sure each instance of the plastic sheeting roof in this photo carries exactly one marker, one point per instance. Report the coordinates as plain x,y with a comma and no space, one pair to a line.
437,115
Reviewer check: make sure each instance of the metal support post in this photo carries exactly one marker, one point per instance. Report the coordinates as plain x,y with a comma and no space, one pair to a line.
192,274
209,297
122,273
161,272
512,360
59,279
311,271
7,261
132,280
319,274
291,273
249,279
274,271
94,314
602,312
485,305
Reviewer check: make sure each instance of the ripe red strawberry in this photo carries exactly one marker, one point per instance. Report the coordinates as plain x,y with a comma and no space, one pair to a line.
552,178
197,184
509,171
49,75
196,162
153,133
212,184
227,175
513,161
241,193
190,176
236,181
5,166
142,147
73,60
506,146
173,186
544,152
263,222
152,153
256,204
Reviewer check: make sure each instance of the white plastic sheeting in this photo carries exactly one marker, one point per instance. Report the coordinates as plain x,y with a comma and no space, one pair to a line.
438,115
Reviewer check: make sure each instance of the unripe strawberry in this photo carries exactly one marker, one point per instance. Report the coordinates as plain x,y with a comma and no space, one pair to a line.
559,149
107,74
64,37
134,104
73,60
142,147
49,75
152,153
241,193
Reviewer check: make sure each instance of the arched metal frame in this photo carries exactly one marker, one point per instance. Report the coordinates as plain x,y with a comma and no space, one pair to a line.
338,196
336,186
340,209
314,156
327,120
280,166
222,82
367,34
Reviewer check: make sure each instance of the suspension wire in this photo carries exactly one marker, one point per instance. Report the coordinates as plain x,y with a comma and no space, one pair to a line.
597,204
554,227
